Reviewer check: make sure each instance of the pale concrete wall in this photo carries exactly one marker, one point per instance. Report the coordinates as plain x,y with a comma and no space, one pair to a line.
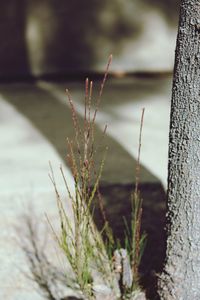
49,36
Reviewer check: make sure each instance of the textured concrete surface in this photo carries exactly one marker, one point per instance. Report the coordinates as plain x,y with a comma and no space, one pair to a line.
35,121
24,189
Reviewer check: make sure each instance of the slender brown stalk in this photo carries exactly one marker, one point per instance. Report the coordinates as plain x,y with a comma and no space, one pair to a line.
137,170
102,87
137,212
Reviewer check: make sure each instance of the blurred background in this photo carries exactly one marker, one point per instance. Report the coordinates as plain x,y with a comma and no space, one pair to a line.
48,46
47,37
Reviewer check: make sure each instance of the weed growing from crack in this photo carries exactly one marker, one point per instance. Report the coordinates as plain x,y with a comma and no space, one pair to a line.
93,254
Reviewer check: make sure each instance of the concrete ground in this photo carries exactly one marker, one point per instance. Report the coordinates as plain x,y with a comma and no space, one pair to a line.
35,121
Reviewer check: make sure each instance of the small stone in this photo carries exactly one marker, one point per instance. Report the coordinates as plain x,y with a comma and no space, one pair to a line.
192,21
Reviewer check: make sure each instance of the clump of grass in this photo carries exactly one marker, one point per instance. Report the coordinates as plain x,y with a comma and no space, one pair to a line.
98,262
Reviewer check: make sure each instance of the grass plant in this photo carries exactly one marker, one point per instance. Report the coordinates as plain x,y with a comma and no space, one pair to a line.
99,264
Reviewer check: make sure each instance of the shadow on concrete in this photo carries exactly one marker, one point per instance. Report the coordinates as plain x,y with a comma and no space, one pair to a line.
121,91
117,203
53,120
